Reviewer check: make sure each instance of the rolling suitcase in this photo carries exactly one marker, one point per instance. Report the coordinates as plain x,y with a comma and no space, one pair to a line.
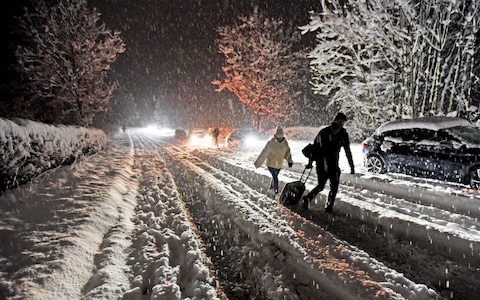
292,192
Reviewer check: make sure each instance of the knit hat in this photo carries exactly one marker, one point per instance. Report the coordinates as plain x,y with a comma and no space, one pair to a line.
279,133
340,116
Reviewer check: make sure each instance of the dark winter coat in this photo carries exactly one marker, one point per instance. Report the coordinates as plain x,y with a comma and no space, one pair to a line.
328,143
216,132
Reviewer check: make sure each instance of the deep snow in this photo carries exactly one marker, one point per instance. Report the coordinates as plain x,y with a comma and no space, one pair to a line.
119,224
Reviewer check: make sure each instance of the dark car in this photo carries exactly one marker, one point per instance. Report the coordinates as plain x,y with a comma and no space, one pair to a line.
180,134
442,148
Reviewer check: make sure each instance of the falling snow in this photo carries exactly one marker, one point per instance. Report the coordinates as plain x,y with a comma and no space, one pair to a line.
153,217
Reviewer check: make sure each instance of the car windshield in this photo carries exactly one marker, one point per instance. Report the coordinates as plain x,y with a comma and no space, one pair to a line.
468,134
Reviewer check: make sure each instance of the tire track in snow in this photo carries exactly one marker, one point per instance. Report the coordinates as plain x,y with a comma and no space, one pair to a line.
232,237
419,219
166,252
311,273
386,241
454,236
111,275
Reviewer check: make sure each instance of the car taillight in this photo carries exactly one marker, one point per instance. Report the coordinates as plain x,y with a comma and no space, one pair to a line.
365,148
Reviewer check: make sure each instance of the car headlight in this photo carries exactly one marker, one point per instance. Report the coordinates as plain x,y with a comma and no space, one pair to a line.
151,129
250,140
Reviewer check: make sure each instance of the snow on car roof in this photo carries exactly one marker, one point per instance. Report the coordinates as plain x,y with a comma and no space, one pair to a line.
433,123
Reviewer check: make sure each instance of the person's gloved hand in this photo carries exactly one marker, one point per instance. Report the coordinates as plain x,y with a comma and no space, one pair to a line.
352,170
290,165
309,166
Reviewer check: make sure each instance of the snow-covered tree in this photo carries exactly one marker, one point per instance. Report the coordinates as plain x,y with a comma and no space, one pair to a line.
380,60
262,66
353,63
64,59
440,58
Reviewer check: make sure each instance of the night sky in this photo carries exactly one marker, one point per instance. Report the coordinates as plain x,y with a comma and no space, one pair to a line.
7,13
171,59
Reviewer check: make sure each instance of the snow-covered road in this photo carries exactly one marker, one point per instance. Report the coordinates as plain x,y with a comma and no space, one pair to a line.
151,218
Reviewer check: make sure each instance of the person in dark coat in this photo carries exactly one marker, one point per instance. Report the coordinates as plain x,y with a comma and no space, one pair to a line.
327,144
215,134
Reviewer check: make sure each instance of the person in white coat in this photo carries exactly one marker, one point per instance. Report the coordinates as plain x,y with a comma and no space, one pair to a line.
273,155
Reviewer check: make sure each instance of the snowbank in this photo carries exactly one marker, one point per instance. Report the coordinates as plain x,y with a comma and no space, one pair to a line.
28,148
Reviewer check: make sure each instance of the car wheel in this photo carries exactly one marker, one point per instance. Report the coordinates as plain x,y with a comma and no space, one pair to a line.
475,178
375,164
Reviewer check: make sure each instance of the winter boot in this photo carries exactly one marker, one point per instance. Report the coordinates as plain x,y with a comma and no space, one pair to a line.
330,201
306,200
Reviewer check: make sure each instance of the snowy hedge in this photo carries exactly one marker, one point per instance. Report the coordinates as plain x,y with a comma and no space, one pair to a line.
28,148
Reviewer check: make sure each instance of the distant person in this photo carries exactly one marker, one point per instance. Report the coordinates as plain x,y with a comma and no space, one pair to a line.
328,143
215,134
124,128
273,154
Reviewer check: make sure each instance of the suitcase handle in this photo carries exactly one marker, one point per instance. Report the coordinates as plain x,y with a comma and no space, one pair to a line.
308,175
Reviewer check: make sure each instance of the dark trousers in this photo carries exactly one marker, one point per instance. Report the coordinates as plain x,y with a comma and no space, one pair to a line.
274,183
325,172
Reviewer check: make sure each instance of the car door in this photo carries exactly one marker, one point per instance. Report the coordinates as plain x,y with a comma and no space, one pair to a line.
452,157
397,150
412,155
427,153
441,157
